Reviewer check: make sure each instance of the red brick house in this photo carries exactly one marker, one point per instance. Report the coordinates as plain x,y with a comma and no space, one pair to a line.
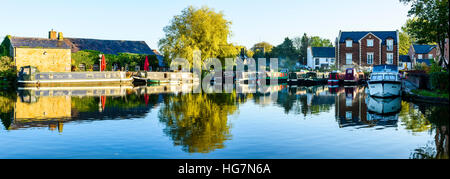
364,49
422,53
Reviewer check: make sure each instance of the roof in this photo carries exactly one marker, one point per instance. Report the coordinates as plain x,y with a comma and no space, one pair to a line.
323,52
357,35
31,42
423,49
426,61
109,46
405,58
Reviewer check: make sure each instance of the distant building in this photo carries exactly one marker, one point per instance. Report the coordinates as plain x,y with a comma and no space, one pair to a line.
321,57
404,62
422,54
364,49
53,54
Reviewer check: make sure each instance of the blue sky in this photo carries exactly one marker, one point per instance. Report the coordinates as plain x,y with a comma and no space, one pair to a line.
252,20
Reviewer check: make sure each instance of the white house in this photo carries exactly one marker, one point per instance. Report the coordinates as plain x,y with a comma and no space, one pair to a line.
404,63
321,57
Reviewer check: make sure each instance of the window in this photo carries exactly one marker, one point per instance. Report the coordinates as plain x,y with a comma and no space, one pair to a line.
348,58
317,61
390,58
332,60
419,56
369,58
348,43
430,56
390,44
370,42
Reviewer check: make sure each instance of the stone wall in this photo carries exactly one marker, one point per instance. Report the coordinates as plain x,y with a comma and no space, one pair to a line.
46,60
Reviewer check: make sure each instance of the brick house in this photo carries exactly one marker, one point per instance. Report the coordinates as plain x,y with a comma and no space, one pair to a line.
364,49
422,53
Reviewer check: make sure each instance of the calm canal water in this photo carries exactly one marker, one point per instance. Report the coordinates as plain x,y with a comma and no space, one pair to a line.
171,122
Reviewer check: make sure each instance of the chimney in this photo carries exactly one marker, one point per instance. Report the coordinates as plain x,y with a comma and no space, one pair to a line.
60,36
52,35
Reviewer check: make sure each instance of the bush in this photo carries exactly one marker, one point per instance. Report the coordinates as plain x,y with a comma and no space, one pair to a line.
8,71
439,81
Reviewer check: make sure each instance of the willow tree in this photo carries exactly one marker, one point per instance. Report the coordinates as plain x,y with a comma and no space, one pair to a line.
197,29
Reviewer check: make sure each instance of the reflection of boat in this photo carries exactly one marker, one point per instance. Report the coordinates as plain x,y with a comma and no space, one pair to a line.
383,111
384,81
383,106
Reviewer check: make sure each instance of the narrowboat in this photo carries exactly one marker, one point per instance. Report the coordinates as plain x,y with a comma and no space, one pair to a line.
351,76
30,76
384,81
334,79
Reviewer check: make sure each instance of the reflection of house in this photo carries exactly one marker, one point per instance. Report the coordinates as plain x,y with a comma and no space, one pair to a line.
422,53
351,109
363,49
320,57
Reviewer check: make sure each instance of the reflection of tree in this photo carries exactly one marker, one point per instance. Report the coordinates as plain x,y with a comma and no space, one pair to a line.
7,100
198,122
413,119
438,117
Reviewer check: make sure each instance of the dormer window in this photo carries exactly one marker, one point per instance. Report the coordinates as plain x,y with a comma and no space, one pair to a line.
348,43
370,42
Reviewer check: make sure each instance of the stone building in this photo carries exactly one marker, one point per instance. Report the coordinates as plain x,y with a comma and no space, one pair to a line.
47,54
53,54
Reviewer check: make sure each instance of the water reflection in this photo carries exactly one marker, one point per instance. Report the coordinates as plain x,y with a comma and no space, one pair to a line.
199,123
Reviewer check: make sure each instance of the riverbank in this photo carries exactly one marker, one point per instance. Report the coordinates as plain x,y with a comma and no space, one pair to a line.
411,93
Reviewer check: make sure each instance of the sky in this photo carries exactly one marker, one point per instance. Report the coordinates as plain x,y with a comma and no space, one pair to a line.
253,21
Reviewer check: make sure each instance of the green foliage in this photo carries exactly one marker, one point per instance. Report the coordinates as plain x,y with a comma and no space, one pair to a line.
316,41
439,81
8,71
405,43
197,29
429,23
4,46
86,57
436,93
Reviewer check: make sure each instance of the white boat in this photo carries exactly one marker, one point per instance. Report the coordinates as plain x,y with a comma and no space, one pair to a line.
384,81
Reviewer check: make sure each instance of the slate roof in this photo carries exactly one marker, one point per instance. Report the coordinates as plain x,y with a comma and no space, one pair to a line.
356,35
405,58
426,61
326,52
423,49
109,46
31,42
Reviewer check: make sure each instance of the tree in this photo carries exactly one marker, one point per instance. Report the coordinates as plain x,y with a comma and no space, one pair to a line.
405,42
303,48
430,22
316,41
286,53
197,29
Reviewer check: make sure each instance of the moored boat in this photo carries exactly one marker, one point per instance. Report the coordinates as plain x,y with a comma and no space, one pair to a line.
384,81
334,79
30,76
